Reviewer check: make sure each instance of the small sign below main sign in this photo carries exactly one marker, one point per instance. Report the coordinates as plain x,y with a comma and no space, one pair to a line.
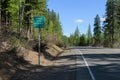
39,22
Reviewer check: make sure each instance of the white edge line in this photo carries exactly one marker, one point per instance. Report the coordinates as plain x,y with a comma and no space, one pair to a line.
91,74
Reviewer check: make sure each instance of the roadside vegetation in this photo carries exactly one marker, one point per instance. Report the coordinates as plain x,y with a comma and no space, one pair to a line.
16,26
106,34
16,23
17,32
19,38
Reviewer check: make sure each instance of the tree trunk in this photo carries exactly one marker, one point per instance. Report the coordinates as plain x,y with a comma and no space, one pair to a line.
0,19
0,15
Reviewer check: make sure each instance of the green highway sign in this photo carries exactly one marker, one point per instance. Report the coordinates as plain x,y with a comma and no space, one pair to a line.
39,22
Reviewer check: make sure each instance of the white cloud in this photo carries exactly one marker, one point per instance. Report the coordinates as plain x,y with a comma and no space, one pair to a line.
102,19
79,21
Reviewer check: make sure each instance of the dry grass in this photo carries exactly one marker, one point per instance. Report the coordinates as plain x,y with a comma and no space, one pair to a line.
13,62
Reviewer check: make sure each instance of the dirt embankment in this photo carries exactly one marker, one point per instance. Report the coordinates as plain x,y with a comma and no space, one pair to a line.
46,56
17,60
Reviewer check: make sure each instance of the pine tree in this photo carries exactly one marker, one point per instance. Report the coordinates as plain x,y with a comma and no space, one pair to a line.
33,8
97,31
76,37
71,40
18,15
118,17
110,23
0,14
4,12
89,35
83,40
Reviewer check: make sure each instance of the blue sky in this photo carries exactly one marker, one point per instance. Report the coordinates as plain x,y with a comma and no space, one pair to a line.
79,13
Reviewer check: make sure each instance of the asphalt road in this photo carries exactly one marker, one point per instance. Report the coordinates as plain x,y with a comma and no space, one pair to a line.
100,63
85,63
81,63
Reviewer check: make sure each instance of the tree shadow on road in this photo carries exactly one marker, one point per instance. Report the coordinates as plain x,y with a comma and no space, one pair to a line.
76,71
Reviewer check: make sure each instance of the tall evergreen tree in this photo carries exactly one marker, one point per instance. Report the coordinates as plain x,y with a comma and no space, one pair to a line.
71,40
118,17
74,38
89,35
4,12
0,14
83,40
97,31
77,37
54,27
110,23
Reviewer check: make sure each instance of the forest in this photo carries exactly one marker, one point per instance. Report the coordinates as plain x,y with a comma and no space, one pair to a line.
16,26
19,58
16,23
104,35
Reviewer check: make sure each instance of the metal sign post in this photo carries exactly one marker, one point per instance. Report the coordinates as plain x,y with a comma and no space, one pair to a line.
39,23
39,46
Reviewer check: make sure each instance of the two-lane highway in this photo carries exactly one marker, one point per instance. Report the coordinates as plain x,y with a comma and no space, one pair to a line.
83,63
101,64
